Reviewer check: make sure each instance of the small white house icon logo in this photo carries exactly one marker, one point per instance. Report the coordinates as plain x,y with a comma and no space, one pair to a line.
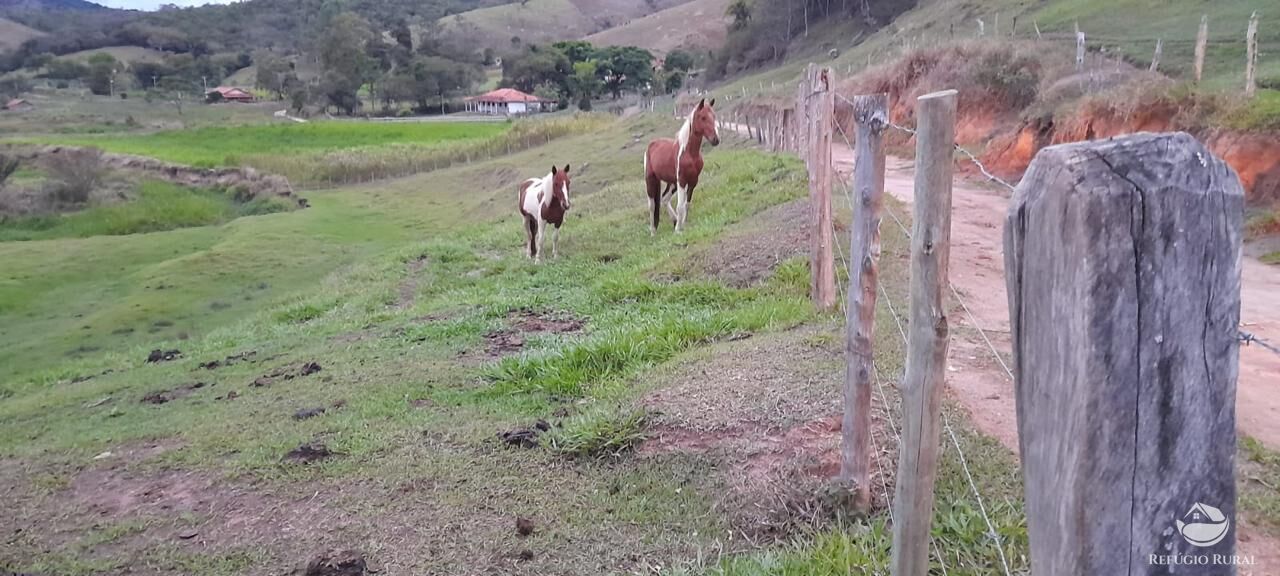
1203,525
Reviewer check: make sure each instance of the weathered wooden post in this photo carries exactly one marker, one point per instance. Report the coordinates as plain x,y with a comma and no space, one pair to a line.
1122,259
1155,60
1251,62
928,334
1080,48
870,115
1202,41
822,266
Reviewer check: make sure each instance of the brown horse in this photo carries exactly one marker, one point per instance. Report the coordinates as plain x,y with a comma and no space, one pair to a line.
544,201
678,163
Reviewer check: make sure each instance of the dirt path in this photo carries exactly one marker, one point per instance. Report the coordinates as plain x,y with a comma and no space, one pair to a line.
979,383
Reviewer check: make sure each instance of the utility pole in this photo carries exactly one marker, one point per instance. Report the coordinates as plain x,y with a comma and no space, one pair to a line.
153,80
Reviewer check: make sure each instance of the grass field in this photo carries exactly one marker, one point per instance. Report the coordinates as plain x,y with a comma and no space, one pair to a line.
539,21
404,294
210,147
128,54
159,206
397,290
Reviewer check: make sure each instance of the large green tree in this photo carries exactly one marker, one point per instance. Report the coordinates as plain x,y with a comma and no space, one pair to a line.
345,61
624,68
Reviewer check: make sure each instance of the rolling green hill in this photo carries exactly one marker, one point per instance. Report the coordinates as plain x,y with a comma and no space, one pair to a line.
539,21
13,34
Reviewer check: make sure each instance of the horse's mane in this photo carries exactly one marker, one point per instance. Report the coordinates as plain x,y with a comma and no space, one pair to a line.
549,188
682,140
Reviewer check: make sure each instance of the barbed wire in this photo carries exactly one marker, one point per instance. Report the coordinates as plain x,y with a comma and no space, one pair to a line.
1250,338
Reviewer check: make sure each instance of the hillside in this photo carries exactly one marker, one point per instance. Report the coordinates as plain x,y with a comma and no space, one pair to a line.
539,21
696,24
13,34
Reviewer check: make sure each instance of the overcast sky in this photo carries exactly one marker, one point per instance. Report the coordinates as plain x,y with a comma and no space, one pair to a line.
153,4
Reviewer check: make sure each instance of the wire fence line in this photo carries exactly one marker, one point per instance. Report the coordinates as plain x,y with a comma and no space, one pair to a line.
884,399
982,508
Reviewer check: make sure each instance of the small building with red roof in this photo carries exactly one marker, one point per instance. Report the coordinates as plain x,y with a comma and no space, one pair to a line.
229,94
508,101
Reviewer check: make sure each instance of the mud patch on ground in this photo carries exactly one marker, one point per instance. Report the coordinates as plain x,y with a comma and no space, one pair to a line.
286,373
748,255
518,325
231,360
166,396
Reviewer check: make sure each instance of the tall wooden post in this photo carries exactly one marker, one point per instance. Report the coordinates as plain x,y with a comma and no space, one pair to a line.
1155,60
870,115
928,334
1122,259
1251,64
1202,42
1080,48
821,105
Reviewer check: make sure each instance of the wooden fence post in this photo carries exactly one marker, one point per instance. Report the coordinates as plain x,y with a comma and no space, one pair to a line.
1155,60
928,334
1251,64
822,266
1202,41
1080,49
870,114
1122,259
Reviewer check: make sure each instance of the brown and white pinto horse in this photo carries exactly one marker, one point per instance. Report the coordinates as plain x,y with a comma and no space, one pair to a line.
678,163
544,201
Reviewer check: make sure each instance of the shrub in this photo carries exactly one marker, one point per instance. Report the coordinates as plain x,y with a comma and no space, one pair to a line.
8,165
76,173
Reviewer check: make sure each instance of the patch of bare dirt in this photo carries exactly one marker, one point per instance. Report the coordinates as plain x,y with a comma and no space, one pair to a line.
768,410
198,512
510,339
157,356
286,373
748,254
231,360
408,291
165,396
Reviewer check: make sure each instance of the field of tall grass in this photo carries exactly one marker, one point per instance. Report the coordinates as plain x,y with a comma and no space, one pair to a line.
325,154
231,145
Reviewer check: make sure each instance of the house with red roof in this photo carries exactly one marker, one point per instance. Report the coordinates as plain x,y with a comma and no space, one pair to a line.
506,101
229,94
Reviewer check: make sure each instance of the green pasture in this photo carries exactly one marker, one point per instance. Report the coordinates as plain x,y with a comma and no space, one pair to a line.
226,146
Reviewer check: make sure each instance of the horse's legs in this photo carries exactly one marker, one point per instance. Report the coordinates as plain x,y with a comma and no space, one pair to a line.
542,225
682,206
654,189
555,242
531,230
666,196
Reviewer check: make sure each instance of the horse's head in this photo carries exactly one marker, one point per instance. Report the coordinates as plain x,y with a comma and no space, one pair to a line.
560,185
704,121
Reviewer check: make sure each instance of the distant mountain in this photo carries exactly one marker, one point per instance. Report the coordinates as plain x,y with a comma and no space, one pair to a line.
33,5
279,25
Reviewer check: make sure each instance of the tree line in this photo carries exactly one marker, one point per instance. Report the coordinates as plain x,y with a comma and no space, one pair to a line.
760,31
575,71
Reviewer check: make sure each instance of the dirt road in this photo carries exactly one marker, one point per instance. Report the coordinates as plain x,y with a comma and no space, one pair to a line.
978,382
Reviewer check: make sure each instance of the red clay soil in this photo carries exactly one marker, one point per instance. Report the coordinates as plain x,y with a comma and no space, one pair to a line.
1254,156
